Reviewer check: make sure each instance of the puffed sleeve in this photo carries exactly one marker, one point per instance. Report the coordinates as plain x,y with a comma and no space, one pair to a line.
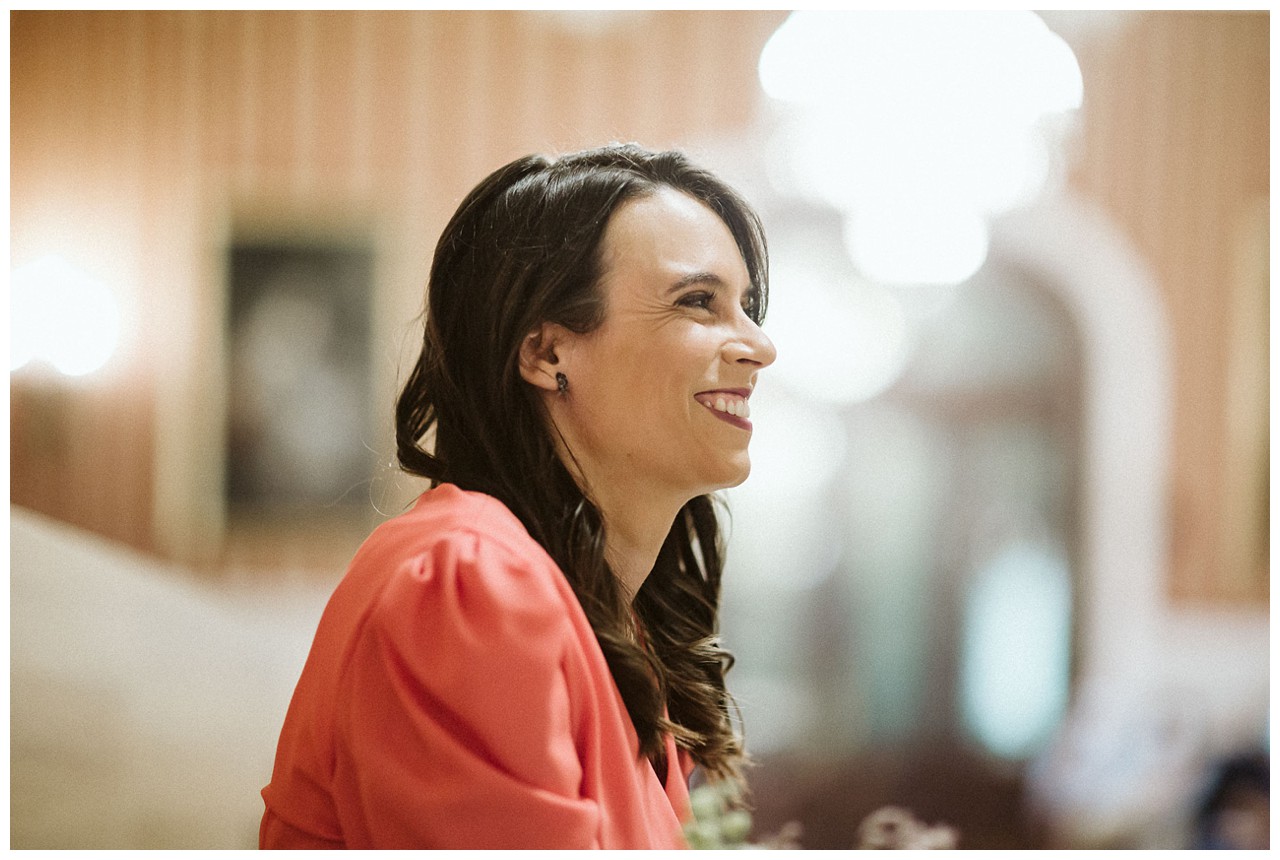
455,728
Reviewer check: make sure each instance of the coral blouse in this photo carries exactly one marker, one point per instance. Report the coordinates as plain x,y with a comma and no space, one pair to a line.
455,696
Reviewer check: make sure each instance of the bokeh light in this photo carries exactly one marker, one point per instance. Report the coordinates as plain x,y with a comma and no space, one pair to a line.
917,126
839,340
1016,651
61,315
888,243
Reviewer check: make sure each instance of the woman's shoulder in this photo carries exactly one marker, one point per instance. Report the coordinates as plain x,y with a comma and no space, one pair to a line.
455,591
458,554
448,512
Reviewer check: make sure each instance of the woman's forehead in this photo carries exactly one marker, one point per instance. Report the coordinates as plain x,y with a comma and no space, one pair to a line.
670,237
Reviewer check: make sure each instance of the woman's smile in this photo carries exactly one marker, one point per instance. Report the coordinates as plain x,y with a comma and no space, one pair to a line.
729,405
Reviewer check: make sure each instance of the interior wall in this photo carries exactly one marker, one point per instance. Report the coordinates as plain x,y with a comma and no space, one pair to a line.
1175,146
137,138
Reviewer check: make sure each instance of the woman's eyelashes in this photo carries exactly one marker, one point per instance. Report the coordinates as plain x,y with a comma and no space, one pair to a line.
706,300
701,299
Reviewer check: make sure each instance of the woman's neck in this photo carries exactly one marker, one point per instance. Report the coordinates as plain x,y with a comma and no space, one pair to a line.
636,525
637,516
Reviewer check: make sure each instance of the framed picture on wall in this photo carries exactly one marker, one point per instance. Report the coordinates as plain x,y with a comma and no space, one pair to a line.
298,329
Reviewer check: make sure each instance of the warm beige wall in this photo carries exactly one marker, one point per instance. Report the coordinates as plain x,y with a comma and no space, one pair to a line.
1176,147
137,137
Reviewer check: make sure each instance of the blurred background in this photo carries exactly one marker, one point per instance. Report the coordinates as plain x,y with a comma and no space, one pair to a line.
1004,555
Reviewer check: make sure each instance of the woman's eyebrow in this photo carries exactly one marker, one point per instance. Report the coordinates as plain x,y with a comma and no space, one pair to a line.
696,278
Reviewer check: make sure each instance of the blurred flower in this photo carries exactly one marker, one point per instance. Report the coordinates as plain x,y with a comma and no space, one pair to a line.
895,827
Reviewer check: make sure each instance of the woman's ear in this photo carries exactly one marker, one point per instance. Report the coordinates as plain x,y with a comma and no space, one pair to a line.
538,358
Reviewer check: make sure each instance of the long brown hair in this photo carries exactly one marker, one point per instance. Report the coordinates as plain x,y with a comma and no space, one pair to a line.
523,249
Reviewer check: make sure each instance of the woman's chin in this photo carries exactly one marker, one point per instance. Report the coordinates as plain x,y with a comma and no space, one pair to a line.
733,474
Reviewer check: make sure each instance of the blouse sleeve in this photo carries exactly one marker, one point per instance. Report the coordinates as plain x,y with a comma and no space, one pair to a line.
456,724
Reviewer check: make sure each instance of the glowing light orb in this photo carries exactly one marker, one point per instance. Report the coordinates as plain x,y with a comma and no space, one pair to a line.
839,341
1015,657
61,315
900,116
922,245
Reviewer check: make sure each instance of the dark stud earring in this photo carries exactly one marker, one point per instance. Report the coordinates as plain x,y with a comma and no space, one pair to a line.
562,382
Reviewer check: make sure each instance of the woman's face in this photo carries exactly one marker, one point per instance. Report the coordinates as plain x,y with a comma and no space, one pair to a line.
658,394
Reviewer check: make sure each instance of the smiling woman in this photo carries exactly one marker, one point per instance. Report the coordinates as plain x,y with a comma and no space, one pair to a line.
529,658
677,348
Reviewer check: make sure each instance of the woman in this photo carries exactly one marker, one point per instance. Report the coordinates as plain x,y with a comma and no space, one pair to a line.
528,658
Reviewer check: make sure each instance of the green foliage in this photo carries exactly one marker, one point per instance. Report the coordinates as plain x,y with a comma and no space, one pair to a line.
719,819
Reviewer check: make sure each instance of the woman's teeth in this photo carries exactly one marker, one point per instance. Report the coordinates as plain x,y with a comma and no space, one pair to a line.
732,406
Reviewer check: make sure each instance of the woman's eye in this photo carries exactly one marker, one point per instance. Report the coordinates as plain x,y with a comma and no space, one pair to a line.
697,300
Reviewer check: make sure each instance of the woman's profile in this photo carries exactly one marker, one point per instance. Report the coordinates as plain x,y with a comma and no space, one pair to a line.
528,658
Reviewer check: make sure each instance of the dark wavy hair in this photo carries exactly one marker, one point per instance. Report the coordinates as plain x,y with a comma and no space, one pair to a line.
524,249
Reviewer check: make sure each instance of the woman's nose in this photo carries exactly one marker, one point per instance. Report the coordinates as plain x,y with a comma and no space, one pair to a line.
752,346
